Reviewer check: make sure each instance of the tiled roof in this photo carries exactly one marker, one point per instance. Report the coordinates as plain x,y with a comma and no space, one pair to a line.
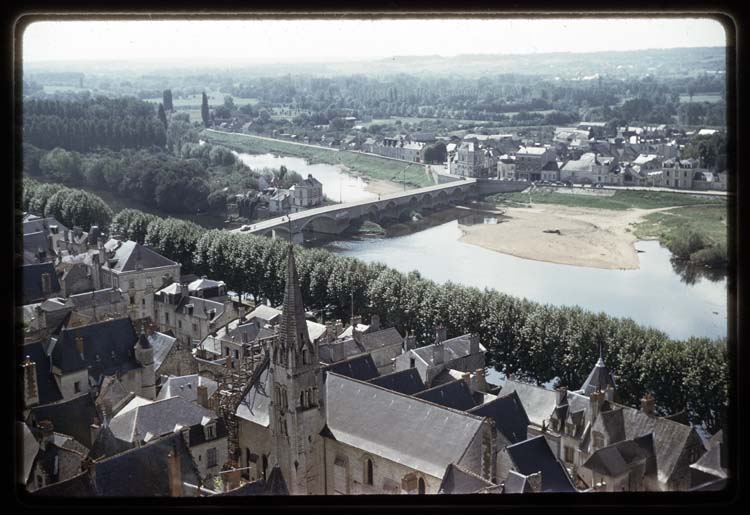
186,387
455,394
73,417
31,280
392,425
509,416
360,367
614,460
108,348
406,381
100,298
42,225
516,483
129,255
459,481
534,455
158,418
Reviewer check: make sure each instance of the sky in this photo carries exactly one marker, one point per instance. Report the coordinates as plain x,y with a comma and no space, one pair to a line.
326,40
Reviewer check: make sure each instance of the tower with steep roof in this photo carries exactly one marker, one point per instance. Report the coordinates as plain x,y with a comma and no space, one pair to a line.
297,411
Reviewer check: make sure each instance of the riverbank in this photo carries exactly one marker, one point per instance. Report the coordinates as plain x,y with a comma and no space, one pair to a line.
372,167
587,237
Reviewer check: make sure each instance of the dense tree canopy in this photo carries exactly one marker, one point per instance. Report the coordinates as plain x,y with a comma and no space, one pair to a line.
73,207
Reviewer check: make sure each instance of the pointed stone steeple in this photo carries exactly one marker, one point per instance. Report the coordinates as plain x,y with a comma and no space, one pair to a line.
600,377
293,327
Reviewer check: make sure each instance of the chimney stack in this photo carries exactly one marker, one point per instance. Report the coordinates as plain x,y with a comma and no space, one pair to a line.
609,393
175,473
30,387
338,328
562,395
374,323
441,334
329,332
410,342
648,403
203,395
474,344
438,353
595,404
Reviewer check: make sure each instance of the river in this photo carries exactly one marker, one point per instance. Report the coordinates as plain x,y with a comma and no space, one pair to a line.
653,295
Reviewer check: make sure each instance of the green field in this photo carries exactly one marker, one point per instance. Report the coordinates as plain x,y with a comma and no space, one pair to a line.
619,201
369,166
710,221
701,97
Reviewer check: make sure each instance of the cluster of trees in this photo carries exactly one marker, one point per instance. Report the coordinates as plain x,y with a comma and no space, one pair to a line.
533,341
72,207
88,124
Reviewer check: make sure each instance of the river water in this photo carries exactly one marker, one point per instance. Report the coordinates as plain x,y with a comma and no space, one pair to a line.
653,295
337,185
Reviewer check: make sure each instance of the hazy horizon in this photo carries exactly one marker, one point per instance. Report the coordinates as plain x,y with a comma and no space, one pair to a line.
313,41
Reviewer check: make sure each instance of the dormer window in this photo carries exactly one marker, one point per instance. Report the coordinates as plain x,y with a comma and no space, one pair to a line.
210,431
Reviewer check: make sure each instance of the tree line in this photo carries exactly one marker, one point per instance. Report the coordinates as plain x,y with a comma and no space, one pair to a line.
71,207
83,125
533,341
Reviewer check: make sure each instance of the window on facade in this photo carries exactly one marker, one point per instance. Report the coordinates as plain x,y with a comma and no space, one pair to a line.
166,317
210,433
302,399
77,387
132,299
226,351
143,302
236,354
179,324
149,281
568,454
131,284
195,328
421,486
412,362
304,356
368,472
211,457
570,429
46,283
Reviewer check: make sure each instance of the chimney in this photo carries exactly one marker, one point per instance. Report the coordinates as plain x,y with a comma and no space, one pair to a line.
474,344
440,334
356,320
535,482
203,395
562,395
175,473
595,404
30,387
47,430
374,323
329,332
466,377
410,342
337,349
241,311
609,393
338,327
438,353
647,404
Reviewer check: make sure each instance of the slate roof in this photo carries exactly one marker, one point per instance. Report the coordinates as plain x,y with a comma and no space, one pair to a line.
41,224
379,339
600,377
142,472
29,447
534,455
713,462
509,416
108,348
392,425
615,460
256,404
106,445
162,345
459,481
101,298
158,418
31,280
73,417
186,387
538,402
454,348
456,395
77,486
45,381
204,284
582,164
129,254
516,483
266,313
349,346
360,367
406,381
201,307
32,243
112,393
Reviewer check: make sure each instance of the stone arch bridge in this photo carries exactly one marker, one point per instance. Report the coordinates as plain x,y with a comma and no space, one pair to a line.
335,219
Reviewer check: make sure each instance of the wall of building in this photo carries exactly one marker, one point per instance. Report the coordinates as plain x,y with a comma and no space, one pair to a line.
200,456
67,382
382,469
256,439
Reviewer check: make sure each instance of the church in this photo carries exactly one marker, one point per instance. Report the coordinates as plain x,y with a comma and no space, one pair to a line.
333,434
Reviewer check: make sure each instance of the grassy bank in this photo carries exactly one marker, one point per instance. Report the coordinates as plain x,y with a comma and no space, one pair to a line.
620,200
369,166
695,233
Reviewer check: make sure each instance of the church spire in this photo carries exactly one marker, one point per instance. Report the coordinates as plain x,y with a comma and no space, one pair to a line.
293,327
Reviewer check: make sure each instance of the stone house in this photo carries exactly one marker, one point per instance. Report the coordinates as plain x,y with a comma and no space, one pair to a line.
172,357
49,457
531,160
205,434
39,282
306,193
679,173
139,271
